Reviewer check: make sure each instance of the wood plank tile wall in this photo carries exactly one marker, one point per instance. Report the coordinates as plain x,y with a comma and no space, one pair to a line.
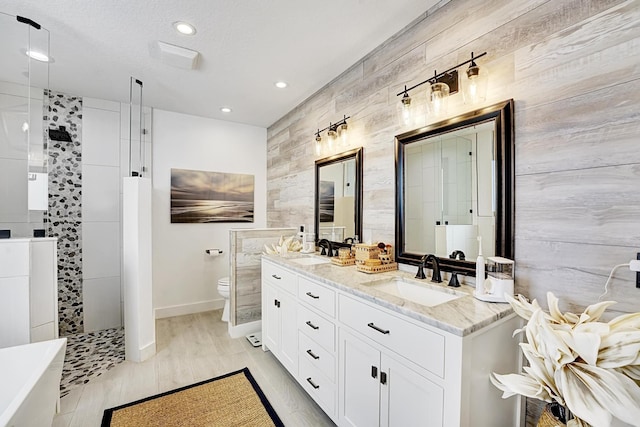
571,67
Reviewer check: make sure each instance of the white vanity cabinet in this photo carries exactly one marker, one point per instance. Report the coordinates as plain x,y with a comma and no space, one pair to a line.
369,363
380,386
378,389
279,308
28,291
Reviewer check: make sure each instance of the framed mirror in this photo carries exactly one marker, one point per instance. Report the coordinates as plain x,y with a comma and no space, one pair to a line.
338,201
455,182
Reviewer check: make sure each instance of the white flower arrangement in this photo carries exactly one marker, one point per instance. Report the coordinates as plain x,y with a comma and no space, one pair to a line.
590,367
288,244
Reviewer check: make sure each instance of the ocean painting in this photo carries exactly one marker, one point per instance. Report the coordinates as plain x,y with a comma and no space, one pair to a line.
327,204
206,197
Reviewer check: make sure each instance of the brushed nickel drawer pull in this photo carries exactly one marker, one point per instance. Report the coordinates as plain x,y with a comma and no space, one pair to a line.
382,331
312,295
312,383
275,276
311,325
310,353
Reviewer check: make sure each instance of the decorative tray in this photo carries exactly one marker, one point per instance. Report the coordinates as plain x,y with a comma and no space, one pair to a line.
377,268
342,262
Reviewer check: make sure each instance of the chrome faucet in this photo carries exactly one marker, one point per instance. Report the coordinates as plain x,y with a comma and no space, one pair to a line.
324,243
435,265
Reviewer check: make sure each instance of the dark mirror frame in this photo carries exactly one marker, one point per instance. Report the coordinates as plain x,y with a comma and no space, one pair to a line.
356,154
502,114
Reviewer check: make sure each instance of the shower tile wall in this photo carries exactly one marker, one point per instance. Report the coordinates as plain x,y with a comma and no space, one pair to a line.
101,215
84,212
64,219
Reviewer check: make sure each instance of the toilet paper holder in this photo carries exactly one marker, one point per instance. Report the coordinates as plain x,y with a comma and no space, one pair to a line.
213,251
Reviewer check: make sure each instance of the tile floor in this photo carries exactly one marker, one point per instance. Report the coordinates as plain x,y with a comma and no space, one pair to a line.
90,355
189,349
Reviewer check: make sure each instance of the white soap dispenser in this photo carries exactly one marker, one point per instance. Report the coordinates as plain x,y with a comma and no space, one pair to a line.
479,272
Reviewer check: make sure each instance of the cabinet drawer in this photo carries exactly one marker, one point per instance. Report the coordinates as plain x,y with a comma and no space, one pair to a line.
319,387
280,276
317,356
316,327
419,345
317,296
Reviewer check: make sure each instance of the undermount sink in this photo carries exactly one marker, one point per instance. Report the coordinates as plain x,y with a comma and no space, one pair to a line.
413,291
311,260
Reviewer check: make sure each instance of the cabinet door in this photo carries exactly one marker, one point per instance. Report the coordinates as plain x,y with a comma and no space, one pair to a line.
288,331
270,318
407,398
359,389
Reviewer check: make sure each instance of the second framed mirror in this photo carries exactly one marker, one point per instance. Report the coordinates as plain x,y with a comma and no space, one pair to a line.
338,197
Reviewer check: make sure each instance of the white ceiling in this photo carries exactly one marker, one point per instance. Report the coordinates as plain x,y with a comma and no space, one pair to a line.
245,47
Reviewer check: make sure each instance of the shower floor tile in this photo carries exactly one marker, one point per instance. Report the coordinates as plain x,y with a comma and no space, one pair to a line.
90,355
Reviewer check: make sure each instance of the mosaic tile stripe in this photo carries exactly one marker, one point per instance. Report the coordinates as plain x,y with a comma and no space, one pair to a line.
65,204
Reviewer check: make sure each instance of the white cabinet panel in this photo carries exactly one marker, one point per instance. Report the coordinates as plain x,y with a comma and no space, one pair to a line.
44,285
15,258
14,309
407,398
359,363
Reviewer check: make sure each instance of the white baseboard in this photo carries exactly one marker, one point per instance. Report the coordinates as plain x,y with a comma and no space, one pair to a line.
195,307
244,329
147,351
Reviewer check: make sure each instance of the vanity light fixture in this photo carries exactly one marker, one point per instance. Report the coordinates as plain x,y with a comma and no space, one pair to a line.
446,83
334,130
184,28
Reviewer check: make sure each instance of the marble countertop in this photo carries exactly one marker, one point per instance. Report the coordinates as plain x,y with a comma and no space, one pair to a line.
461,316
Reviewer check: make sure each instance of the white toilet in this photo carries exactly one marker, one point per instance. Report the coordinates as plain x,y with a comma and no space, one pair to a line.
223,290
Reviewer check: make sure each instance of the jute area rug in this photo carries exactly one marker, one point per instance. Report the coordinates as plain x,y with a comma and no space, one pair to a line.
234,399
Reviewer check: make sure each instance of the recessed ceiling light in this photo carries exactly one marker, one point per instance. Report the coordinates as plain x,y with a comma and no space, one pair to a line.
281,85
225,109
38,56
184,28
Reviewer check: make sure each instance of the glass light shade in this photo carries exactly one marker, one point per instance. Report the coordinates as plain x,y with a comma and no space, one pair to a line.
406,109
342,131
332,135
318,145
439,99
474,84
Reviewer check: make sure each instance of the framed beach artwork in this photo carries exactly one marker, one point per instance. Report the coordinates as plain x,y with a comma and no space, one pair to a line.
327,201
206,197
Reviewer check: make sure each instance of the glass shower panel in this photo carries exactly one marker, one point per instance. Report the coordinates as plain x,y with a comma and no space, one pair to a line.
22,82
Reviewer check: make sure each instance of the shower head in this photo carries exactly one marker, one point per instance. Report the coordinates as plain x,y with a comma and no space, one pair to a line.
59,135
